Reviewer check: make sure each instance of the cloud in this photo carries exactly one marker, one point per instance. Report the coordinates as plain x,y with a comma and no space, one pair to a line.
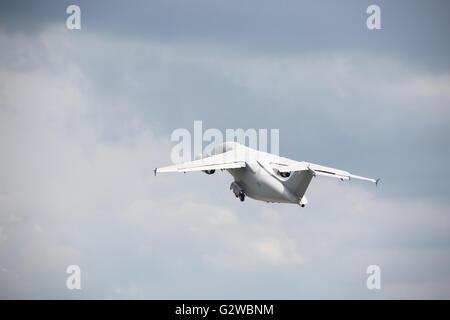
77,187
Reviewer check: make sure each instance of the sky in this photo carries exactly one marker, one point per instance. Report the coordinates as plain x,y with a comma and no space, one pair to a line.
86,115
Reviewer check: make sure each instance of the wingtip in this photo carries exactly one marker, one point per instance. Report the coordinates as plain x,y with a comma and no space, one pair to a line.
376,182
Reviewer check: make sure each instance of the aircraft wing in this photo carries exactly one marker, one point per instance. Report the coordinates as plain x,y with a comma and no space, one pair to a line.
226,160
319,170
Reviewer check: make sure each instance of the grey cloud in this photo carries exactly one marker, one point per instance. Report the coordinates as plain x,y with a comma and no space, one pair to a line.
86,117
262,26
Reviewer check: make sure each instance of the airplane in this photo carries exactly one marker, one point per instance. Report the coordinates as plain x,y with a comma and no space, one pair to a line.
261,175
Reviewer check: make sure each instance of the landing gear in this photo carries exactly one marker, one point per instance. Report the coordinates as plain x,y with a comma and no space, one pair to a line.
238,190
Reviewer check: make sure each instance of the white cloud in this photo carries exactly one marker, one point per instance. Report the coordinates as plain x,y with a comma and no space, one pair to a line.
276,252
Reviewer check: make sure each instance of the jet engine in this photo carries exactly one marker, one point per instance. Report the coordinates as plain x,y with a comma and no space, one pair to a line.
285,174
202,156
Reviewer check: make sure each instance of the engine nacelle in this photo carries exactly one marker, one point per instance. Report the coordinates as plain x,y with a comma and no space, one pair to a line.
285,174
203,156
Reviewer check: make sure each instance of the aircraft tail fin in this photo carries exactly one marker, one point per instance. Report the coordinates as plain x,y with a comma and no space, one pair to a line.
299,181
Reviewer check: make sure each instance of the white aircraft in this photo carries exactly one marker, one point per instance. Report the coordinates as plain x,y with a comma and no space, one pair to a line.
261,175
